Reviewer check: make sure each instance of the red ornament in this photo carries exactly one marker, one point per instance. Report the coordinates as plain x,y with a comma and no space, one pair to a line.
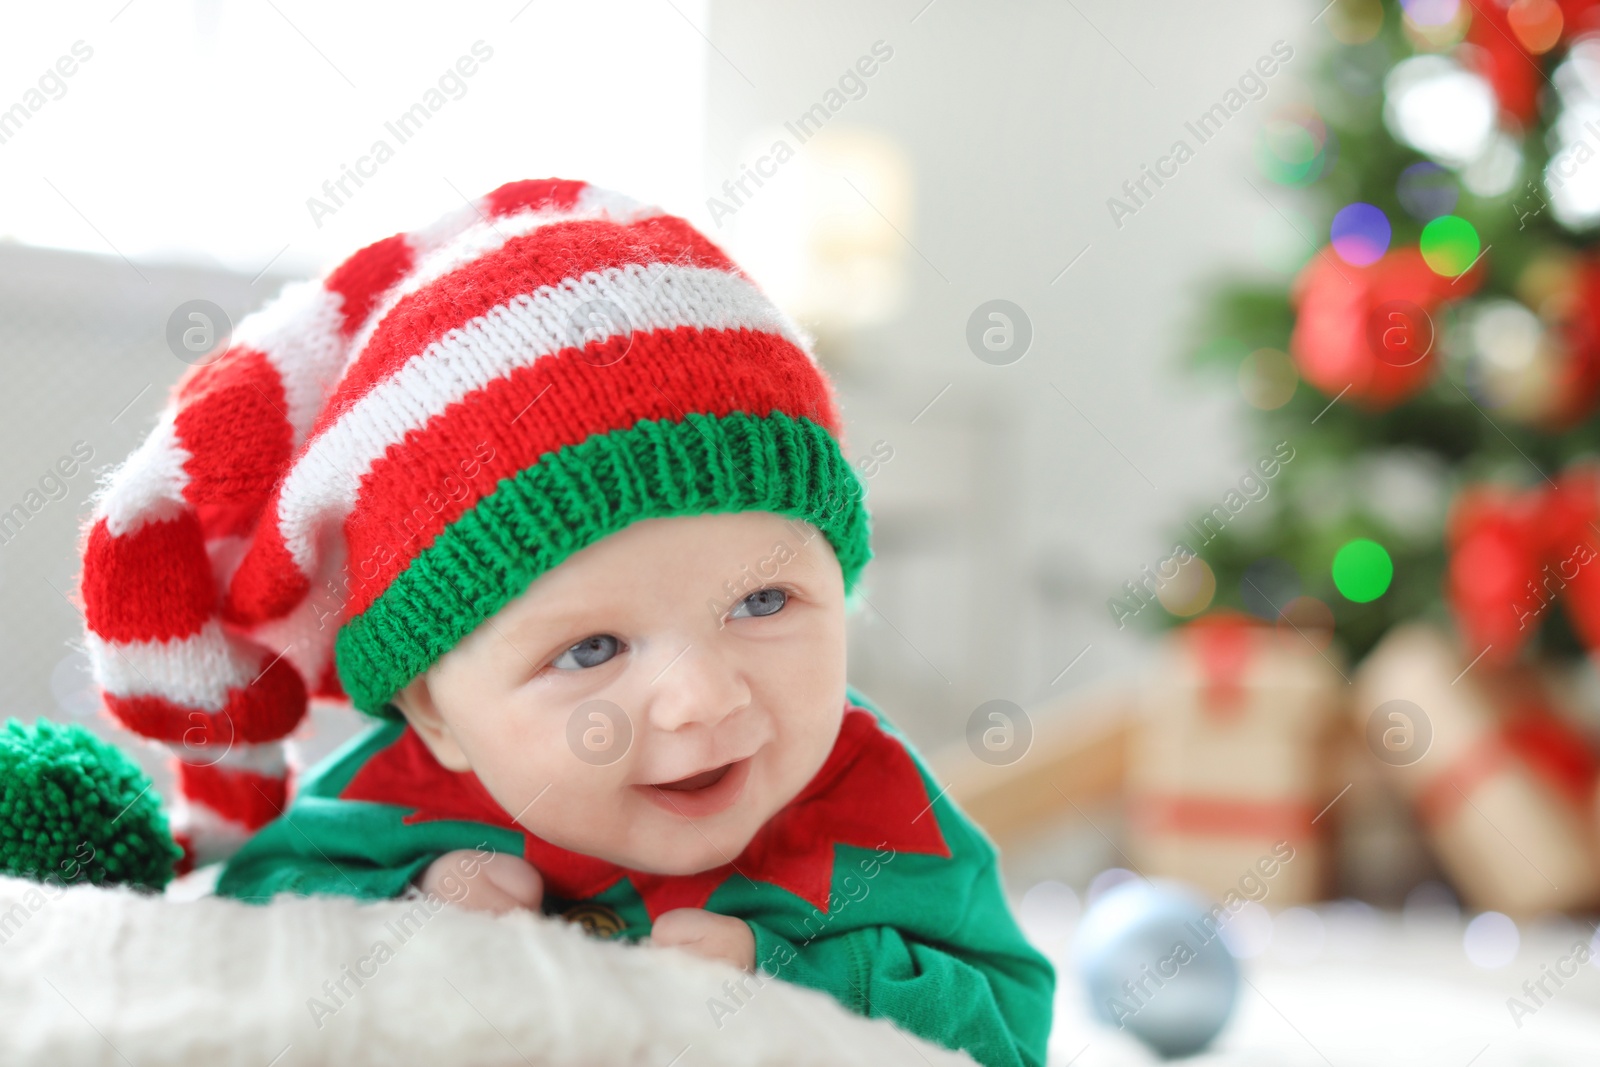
1571,527
1579,17
1369,333
1494,49
1512,555
1495,54
1496,550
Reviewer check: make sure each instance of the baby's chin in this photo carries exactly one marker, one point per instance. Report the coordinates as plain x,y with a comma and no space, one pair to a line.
685,860
659,842
664,844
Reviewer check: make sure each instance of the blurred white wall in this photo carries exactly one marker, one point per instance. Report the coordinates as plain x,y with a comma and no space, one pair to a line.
1019,497
198,130
1020,501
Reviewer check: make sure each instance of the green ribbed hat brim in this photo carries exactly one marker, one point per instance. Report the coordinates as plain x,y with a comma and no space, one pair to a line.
579,494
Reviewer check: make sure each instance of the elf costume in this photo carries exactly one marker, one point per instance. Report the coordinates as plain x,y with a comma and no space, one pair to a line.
864,886
383,458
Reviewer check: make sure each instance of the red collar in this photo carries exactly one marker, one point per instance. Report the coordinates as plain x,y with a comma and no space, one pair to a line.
868,793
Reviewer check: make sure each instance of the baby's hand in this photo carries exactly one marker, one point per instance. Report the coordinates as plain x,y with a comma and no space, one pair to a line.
497,881
708,935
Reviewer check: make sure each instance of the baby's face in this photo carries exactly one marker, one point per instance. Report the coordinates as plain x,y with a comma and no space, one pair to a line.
716,641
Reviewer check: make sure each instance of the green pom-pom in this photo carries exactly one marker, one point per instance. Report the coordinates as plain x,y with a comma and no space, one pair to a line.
76,809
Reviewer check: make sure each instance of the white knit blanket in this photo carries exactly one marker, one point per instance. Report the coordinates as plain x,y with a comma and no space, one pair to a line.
107,976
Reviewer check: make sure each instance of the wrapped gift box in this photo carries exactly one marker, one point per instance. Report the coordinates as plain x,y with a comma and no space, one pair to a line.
1505,810
1228,771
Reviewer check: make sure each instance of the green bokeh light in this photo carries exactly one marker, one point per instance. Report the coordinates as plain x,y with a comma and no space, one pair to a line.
1289,153
1449,245
1362,570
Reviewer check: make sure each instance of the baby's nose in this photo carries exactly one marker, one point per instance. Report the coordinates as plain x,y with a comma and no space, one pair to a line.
696,685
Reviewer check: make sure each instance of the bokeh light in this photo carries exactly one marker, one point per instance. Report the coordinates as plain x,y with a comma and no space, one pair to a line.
1247,932
1405,489
1491,940
1295,146
1536,24
1309,617
1360,234
1431,12
1426,191
1049,912
1438,107
1449,245
1571,178
1550,282
1452,20
1104,882
1511,369
1355,21
1191,590
1496,169
1267,378
1505,335
1362,570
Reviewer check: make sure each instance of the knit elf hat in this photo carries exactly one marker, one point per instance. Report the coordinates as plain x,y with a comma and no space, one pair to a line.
383,458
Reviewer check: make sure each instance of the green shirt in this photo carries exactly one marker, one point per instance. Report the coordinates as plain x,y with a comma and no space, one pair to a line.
870,885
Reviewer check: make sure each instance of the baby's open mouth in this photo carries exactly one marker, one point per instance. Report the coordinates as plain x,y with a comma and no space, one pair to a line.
697,781
703,793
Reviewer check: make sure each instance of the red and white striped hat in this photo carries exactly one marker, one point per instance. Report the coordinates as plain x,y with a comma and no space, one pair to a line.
385,457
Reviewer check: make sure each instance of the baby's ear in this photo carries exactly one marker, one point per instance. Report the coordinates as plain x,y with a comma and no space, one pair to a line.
415,702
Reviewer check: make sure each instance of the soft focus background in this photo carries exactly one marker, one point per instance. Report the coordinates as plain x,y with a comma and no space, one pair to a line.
1077,346
976,165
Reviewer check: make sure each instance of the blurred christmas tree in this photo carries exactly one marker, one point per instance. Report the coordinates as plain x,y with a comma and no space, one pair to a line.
1435,365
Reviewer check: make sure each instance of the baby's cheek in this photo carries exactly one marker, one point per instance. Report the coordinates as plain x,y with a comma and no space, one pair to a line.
566,800
810,732
532,777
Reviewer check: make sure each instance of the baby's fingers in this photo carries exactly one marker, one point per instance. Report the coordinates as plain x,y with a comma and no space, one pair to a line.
484,895
514,878
706,934
493,882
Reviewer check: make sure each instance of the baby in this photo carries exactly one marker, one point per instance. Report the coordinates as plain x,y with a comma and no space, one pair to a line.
567,492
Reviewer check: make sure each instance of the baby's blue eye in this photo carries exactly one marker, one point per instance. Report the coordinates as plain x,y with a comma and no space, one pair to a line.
590,652
762,602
